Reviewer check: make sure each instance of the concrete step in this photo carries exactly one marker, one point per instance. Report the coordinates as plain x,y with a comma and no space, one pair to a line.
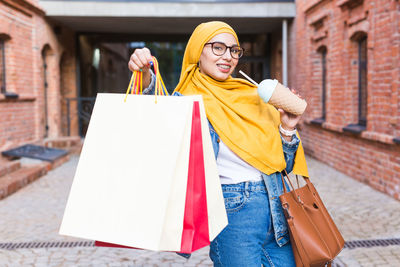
73,144
58,162
7,166
16,174
22,172
15,180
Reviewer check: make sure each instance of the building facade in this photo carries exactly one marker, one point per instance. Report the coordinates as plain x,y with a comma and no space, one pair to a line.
57,55
346,60
341,55
37,69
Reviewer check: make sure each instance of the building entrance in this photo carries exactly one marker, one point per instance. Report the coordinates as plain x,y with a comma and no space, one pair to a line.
103,64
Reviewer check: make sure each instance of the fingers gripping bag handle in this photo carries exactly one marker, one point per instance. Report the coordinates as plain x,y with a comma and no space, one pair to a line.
136,83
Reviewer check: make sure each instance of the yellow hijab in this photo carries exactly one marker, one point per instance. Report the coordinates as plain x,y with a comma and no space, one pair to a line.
247,125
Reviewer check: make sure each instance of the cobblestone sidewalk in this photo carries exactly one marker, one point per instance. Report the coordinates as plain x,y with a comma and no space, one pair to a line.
34,214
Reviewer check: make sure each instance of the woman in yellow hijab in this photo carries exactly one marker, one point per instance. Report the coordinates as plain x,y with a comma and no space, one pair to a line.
249,148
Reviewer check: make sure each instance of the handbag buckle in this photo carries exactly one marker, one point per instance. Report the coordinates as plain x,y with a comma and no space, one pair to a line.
286,211
299,199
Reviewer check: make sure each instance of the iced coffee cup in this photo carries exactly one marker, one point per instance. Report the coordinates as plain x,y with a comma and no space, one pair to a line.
274,93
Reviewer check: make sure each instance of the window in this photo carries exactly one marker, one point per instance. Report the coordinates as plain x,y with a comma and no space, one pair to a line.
362,81
323,95
2,67
320,84
360,53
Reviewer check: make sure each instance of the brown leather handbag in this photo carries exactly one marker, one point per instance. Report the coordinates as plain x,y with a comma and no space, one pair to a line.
315,239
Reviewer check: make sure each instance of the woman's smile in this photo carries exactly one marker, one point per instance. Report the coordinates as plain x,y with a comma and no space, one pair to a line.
225,68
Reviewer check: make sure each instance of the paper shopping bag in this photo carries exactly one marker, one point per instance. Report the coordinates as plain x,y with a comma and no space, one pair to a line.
195,228
130,187
195,233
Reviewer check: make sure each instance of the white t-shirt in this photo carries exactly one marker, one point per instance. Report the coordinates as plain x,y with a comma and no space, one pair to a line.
232,169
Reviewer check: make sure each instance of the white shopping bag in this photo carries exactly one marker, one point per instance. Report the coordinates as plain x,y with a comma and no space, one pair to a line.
130,183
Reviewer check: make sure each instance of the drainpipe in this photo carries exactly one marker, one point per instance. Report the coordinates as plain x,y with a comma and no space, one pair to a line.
284,53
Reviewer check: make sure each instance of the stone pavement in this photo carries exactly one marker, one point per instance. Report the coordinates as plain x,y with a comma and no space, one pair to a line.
34,214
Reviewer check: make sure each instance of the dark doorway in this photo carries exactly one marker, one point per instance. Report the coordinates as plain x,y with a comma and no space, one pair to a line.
103,63
46,52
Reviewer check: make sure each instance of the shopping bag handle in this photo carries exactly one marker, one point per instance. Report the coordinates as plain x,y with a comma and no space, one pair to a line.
136,83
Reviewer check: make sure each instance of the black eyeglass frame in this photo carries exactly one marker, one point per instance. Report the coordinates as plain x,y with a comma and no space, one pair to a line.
226,47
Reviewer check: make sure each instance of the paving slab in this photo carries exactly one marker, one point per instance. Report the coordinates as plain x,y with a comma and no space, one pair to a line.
34,214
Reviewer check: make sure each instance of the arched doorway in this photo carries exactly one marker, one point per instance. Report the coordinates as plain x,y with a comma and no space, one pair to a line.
50,120
46,53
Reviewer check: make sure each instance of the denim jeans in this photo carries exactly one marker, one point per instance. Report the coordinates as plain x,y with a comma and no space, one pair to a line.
248,240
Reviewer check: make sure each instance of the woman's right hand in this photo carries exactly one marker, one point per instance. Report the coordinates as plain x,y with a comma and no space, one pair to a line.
140,61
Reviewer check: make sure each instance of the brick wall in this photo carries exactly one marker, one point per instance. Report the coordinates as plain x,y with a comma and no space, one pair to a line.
28,35
17,120
370,156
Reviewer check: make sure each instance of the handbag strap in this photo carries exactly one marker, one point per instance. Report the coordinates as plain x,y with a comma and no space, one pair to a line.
285,190
291,185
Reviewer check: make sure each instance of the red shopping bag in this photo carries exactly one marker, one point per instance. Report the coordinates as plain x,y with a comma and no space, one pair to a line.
195,228
195,233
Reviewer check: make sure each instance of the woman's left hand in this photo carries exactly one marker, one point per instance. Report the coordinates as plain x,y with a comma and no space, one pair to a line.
289,120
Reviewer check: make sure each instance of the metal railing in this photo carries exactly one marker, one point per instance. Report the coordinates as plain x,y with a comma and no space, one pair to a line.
83,110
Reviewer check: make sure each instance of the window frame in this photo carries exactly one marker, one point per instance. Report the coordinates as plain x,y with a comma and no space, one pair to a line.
3,88
360,39
323,52
362,66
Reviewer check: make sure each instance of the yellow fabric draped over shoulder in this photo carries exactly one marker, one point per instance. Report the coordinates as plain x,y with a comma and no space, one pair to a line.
247,125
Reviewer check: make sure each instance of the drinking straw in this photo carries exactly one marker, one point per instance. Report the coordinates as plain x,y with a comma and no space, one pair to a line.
248,78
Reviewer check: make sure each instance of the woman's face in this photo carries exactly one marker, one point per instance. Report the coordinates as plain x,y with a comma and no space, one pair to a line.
218,67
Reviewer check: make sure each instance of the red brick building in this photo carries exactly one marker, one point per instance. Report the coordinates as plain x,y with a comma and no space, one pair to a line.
343,56
37,70
346,60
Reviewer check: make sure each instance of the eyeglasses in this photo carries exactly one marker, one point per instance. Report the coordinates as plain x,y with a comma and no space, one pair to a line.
219,49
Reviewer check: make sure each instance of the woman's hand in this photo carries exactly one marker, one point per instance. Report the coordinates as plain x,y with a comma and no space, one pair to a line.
288,120
140,61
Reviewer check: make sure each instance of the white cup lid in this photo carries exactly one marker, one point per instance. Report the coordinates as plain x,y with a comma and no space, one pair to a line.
266,88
